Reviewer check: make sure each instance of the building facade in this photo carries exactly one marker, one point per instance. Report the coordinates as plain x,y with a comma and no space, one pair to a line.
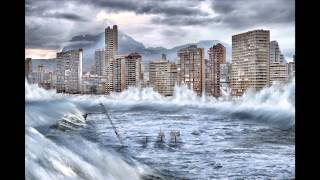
250,61
291,70
99,62
40,73
278,73
93,84
69,76
27,67
163,76
191,68
119,78
225,71
217,56
111,50
275,53
127,71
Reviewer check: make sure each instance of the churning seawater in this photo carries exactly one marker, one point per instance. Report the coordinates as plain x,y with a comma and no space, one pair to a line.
252,137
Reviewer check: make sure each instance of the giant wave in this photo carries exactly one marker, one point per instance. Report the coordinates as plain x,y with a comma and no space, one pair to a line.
73,157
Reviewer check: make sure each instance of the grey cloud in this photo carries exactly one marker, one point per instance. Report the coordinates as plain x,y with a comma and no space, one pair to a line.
43,34
238,14
87,37
246,13
67,16
48,9
165,7
235,14
183,20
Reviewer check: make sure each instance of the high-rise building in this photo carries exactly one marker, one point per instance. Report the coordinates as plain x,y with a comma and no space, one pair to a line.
163,76
134,75
99,62
207,76
217,56
127,71
225,71
27,67
275,53
278,73
111,50
69,77
93,84
291,70
40,73
250,61
119,73
191,68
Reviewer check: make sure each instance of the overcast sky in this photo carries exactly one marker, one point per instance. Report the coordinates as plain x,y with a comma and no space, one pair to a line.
50,24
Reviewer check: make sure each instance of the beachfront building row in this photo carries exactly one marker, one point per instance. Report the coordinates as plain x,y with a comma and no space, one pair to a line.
256,63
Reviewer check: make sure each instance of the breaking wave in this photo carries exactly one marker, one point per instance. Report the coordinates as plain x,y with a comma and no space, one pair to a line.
73,157
274,105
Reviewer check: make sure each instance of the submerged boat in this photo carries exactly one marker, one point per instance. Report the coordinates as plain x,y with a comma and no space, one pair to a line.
72,122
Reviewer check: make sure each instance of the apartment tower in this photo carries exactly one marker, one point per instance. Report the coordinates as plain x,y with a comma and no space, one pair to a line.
163,76
191,68
127,71
69,76
278,72
111,50
99,62
27,67
250,61
217,56
275,53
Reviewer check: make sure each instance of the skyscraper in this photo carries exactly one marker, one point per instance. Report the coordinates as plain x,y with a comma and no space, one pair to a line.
217,56
99,62
278,73
278,67
40,73
119,83
191,68
69,77
163,76
225,71
127,71
291,69
111,50
275,53
250,61
27,67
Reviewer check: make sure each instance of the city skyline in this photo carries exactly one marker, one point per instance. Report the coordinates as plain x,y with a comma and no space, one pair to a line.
257,63
150,24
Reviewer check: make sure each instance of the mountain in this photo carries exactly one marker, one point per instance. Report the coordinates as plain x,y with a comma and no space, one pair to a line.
89,43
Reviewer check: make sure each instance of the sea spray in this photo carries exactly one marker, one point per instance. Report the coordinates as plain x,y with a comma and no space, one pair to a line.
68,156
274,105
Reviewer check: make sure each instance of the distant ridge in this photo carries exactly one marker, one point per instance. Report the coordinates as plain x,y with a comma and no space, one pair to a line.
128,45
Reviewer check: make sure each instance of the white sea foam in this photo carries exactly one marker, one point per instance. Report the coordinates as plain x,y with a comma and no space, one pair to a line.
274,105
77,158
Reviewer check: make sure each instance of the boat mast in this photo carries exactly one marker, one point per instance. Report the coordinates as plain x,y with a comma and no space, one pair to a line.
113,126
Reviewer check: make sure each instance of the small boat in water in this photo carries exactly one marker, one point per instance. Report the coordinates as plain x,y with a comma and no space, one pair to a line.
72,122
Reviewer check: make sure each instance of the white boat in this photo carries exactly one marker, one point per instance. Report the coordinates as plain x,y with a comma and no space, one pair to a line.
72,121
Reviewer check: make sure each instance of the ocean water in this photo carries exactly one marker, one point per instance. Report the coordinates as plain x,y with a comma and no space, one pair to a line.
251,137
